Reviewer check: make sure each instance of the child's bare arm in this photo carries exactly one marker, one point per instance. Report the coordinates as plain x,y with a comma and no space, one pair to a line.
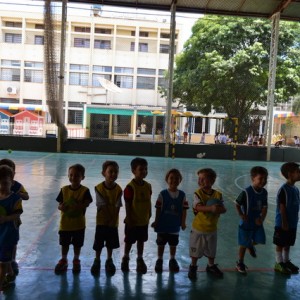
240,213
157,214
13,217
183,220
284,221
24,195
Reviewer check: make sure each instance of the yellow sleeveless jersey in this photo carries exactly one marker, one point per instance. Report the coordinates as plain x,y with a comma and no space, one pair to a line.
108,215
141,203
206,221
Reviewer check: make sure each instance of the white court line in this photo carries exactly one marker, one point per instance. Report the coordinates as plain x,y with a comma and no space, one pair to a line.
41,158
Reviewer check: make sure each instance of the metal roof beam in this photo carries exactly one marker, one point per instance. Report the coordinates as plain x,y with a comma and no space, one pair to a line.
282,6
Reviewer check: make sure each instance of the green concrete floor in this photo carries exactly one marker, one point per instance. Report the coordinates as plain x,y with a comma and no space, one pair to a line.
38,251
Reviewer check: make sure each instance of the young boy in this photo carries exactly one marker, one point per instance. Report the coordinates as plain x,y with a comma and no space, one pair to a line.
73,200
286,219
207,205
252,207
10,210
19,189
108,201
137,195
170,216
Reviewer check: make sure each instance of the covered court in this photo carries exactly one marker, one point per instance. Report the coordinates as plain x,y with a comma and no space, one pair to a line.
38,251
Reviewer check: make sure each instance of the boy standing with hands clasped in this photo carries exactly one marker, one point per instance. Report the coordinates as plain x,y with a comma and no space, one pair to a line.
73,200
286,219
137,195
207,206
252,207
108,201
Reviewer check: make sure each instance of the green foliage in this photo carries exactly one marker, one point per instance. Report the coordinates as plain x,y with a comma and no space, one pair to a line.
225,63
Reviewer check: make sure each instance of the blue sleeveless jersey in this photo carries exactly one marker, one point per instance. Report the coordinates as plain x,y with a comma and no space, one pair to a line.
171,213
292,206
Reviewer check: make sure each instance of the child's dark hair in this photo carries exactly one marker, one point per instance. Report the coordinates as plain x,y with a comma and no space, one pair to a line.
175,172
210,173
288,167
258,170
6,171
109,163
79,168
138,161
8,162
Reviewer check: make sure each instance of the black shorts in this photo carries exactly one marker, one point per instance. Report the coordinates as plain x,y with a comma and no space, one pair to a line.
164,238
106,236
284,238
136,233
76,238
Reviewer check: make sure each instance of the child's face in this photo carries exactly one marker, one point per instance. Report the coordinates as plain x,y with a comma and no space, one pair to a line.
204,181
259,181
140,172
294,176
75,177
111,174
5,184
173,181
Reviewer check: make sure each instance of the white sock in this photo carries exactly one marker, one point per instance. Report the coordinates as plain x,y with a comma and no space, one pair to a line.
279,258
286,255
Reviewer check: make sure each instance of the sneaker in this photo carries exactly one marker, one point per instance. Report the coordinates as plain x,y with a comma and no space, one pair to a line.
192,274
125,264
76,265
214,270
95,268
252,251
15,267
173,265
159,266
241,267
141,266
110,268
294,269
62,266
281,268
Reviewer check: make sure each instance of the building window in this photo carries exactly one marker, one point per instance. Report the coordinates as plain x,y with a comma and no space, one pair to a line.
123,70
165,35
78,79
143,47
107,69
11,63
163,48
147,83
81,43
82,29
75,104
145,71
39,26
144,33
163,82
39,40
79,67
13,38
9,100
34,64
103,30
33,76
32,101
13,24
132,33
10,74
96,82
162,72
102,44
75,116
132,46
125,82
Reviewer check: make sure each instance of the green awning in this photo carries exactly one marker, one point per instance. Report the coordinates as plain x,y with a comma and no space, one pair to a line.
116,111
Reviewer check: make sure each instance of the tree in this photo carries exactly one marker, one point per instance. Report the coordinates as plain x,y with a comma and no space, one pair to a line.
224,65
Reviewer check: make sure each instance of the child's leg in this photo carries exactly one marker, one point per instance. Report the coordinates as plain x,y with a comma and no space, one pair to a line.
77,252
211,261
65,251
172,251
140,248
242,251
194,261
160,251
279,257
109,253
286,254
127,249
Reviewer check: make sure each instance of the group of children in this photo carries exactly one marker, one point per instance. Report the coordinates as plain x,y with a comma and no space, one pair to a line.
170,217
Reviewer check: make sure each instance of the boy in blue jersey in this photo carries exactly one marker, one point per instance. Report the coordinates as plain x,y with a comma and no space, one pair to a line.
10,210
171,207
19,189
286,219
252,207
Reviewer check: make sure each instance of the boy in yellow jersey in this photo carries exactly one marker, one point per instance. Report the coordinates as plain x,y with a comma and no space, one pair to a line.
108,201
137,195
73,200
207,205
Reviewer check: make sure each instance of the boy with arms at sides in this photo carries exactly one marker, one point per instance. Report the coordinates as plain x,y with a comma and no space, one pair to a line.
73,200
108,201
207,205
19,189
137,196
252,207
10,210
286,219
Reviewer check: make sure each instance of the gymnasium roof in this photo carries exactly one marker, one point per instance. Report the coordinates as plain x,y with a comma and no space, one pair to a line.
290,9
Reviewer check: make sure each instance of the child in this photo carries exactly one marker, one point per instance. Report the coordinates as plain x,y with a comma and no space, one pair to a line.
252,207
108,201
19,189
10,210
73,200
286,218
207,205
171,207
137,195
